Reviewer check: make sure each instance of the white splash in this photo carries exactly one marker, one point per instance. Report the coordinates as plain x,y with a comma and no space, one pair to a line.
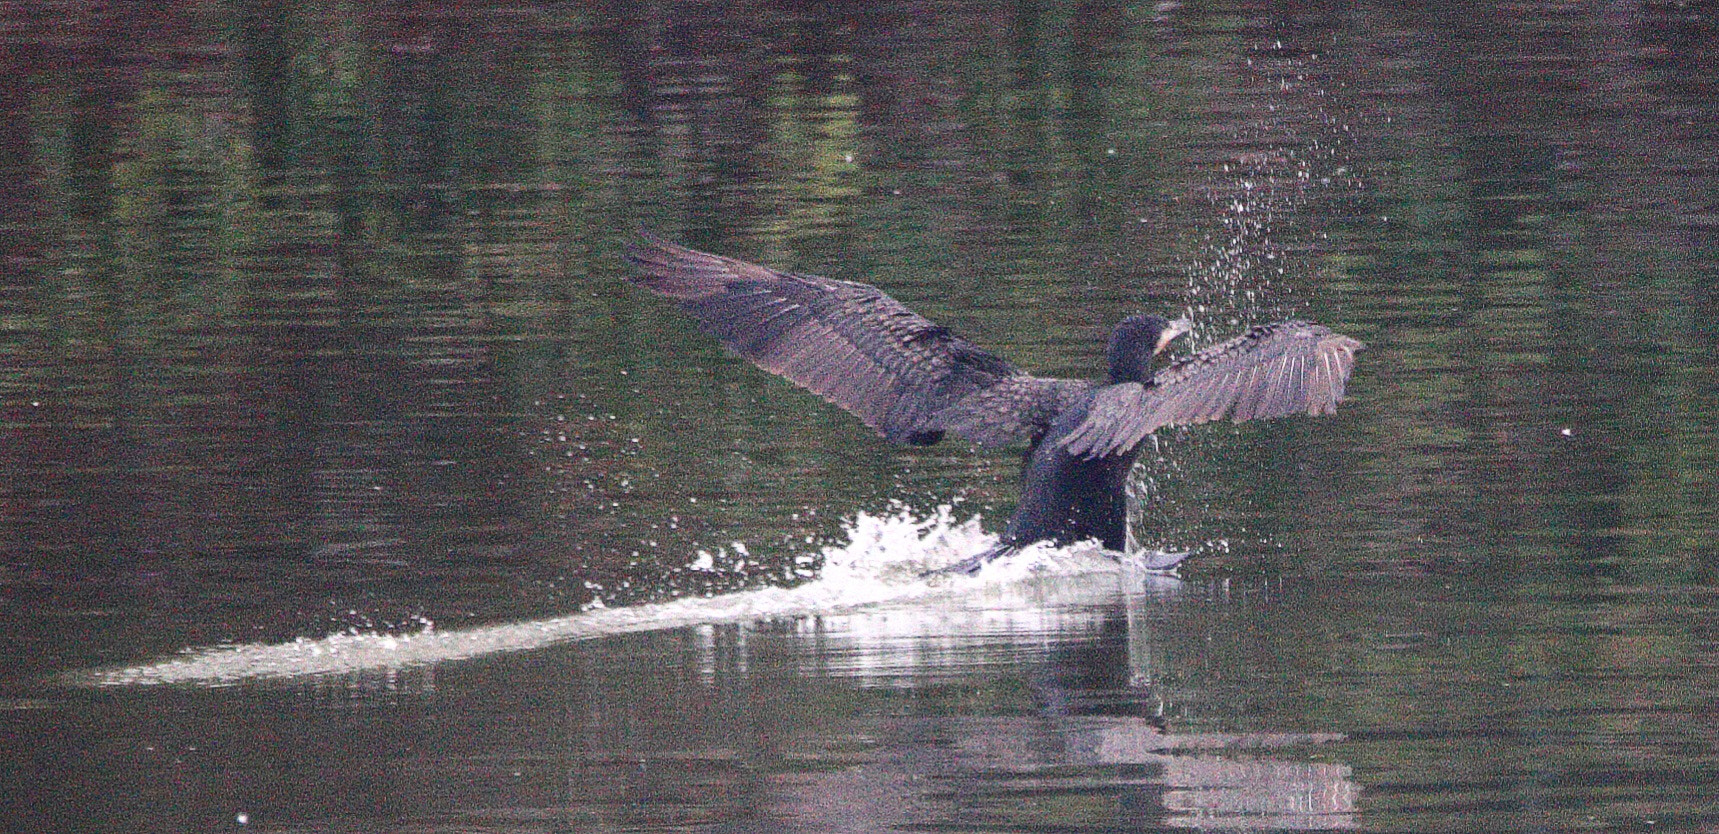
882,562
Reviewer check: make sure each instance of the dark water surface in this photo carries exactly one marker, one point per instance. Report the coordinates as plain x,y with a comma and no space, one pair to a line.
312,329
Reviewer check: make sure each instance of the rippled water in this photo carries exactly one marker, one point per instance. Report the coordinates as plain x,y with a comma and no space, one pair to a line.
346,486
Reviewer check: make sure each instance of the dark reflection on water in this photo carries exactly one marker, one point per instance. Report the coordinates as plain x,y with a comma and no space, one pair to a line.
1290,704
311,320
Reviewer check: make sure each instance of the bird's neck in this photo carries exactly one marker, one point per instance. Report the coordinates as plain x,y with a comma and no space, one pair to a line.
1122,370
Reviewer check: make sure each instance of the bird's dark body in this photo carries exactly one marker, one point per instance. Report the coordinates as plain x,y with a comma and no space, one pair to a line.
1069,498
913,381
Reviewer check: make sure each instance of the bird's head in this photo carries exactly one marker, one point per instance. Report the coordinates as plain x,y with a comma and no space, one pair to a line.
1136,340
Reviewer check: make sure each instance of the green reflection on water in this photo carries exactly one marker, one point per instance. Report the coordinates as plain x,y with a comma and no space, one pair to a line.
312,318
320,282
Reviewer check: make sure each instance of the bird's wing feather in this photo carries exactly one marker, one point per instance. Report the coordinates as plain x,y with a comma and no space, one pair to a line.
1273,370
848,342
1014,408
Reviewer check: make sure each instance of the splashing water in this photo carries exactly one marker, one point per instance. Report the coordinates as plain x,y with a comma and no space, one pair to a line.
882,563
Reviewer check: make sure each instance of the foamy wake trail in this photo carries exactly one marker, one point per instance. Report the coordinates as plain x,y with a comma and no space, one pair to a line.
881,563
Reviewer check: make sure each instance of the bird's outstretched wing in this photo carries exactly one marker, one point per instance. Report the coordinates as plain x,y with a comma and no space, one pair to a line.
848,342
1273,370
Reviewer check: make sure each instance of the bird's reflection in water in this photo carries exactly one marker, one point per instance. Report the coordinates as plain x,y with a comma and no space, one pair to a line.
1094,746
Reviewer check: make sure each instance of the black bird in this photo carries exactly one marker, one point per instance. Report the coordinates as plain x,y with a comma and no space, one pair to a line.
913,381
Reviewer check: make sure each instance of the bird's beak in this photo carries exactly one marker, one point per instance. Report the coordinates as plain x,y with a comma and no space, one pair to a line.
1176,328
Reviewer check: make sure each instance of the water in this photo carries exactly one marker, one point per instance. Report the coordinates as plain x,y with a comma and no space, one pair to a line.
348,487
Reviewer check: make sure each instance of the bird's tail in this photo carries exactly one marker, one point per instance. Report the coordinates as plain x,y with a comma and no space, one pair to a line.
972,564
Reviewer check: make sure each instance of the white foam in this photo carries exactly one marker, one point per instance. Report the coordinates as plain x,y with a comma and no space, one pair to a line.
881,565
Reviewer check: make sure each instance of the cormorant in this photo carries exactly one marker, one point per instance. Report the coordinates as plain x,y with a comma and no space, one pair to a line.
912,381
